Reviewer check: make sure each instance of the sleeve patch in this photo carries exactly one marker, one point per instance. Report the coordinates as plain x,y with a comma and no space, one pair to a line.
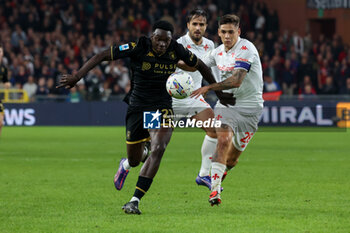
243,65
123,47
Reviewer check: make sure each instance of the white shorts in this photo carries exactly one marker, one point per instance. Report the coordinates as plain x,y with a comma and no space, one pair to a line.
189,107
243,121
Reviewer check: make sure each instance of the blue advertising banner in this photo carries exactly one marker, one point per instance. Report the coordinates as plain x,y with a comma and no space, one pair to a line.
66,114
281,113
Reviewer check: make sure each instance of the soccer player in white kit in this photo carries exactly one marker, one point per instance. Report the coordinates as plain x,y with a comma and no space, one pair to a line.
241,74
198,108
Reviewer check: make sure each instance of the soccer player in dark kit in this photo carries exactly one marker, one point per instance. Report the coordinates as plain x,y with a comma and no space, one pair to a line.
152,61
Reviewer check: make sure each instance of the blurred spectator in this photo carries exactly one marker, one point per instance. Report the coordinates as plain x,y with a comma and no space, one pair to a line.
345,90
81,89
288,78
17,36
298,43
260,22
42,88
329,88
30,87
93,81
308,91
270,85
73,96
306,87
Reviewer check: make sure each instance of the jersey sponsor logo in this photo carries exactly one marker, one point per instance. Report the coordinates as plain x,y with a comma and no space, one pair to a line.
206,47
241,59
123,47
244,47
189,46
343,114
151,120
146,66
20,116
225,68
220,54
164,68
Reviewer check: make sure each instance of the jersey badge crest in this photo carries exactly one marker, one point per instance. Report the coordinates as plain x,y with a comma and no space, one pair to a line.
146,66
244,47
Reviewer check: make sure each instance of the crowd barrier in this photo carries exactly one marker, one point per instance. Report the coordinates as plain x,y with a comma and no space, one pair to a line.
275,113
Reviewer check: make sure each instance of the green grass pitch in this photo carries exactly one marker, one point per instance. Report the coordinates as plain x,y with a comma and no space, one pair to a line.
60,179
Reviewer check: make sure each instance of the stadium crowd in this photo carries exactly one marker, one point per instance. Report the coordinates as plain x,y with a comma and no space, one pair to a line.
43,39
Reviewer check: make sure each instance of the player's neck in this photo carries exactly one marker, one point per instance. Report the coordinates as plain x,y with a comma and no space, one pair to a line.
228,48
197,42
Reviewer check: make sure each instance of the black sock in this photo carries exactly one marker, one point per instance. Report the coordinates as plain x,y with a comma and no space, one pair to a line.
142,186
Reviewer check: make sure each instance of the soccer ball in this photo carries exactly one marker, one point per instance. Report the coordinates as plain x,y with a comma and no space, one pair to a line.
180,85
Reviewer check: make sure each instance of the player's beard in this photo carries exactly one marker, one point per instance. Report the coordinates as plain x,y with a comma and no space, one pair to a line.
196,38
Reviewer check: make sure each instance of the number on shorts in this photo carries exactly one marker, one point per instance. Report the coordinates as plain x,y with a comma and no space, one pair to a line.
247,138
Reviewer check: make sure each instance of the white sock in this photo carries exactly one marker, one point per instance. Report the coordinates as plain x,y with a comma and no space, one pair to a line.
217,170
126,165
135,199
208,150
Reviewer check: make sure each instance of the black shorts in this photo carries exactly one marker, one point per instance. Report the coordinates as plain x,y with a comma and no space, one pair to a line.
136,128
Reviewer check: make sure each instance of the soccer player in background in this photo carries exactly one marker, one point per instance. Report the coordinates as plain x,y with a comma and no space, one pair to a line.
152,61
198,108
241,72
4,82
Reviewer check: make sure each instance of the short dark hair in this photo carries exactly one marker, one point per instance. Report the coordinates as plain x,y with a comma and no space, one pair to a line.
162,24
229,19
197,12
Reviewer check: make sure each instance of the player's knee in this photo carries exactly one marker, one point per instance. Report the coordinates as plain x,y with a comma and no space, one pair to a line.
159,148
224,141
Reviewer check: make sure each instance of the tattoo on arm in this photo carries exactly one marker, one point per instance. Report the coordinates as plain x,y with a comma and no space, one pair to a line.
205,71
234,81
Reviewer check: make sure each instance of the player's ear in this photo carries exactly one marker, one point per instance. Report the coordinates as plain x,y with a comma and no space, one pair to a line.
239,31
188,25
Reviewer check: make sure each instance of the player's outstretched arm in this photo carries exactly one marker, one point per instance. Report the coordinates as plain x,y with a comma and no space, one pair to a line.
69,81
182,65
225,98
232,82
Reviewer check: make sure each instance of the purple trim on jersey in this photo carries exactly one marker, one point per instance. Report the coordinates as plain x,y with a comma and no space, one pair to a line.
242,64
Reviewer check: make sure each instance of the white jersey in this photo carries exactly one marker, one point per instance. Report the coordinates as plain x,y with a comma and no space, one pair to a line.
199,50
243,55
